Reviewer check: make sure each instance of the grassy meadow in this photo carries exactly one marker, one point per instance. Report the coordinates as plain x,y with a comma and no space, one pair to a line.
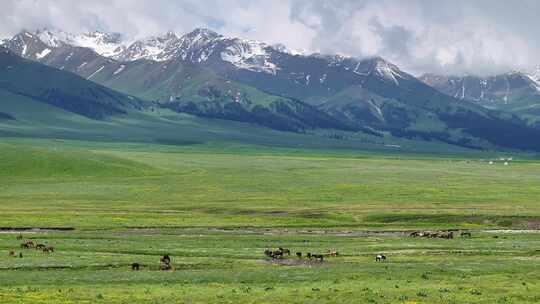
215,208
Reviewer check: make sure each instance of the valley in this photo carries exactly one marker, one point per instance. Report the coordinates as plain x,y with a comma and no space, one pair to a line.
215,209
210,168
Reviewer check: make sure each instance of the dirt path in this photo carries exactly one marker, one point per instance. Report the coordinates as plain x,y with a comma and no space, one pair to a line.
306,231
17,230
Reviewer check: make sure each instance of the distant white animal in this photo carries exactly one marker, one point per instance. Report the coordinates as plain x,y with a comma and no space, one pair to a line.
491,162
380,258
506,163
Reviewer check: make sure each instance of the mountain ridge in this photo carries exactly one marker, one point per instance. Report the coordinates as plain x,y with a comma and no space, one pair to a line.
210,75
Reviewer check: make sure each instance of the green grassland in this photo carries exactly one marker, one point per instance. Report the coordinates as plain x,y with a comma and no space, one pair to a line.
216,207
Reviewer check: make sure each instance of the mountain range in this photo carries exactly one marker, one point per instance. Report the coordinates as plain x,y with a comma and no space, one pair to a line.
517,92
205,74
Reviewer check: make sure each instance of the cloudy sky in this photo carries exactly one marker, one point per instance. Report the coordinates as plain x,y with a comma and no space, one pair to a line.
451,37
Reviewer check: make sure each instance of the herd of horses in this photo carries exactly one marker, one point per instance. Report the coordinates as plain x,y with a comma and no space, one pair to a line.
281,252
439,234
31,245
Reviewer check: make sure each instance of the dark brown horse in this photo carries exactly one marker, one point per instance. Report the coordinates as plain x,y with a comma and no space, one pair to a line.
165,262
135,266
448,235
278,254
166,259
28,244
40,246
415,234
466,234
284,251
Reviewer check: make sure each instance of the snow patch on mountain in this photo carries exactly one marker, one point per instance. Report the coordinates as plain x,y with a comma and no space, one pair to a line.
156,48
387,71
105,44
249,55
119,70
284,49
53,39
535,77
97,71
43,53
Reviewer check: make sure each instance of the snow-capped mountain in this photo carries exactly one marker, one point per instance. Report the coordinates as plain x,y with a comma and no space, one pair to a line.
534,75
105,44
207,74
157,48
199,46
40,44
501,89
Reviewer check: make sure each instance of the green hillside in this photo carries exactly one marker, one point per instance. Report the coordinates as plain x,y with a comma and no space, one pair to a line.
60,89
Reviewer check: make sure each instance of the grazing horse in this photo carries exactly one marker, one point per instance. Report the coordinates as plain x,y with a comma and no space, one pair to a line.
449,235
48,249
466,234
278,254
12,253
28,244
320,257
299,255
285,251
166,259
380,258
135,266
40,246
165,262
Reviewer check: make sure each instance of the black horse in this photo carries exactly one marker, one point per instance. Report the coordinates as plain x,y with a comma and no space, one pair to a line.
319,257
